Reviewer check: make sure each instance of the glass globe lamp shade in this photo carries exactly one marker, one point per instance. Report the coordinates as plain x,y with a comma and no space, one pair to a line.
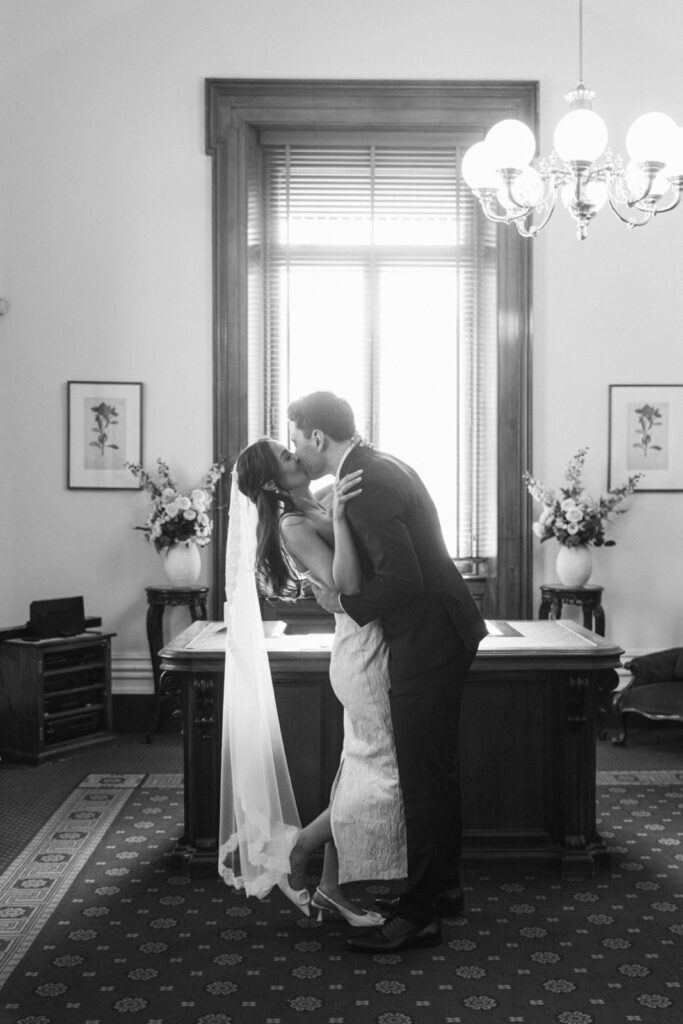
660,185
527,190
595,192
511,144
674,154
637,182
649,136
580,136
477,168
635,179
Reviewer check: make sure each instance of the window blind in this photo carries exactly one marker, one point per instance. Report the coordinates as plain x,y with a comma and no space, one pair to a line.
380,284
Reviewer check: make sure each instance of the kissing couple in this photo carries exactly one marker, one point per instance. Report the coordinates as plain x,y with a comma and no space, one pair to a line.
406,632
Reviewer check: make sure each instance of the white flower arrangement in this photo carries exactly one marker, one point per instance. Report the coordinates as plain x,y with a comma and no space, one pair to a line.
176,517
574,518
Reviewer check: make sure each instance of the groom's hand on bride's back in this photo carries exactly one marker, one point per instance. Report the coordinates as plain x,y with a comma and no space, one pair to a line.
327,597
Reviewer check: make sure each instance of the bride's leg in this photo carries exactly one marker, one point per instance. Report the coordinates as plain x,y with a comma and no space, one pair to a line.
329,880
316,834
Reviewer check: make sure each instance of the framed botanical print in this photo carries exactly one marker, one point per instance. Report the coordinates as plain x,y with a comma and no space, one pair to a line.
104,431
646,435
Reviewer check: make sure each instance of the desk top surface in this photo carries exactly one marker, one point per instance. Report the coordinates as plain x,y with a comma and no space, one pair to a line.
517,642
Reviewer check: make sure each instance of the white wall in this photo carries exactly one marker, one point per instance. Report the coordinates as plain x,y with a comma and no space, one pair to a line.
105,258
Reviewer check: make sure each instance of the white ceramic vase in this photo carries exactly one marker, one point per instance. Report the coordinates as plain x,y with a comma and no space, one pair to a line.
574,565
182,563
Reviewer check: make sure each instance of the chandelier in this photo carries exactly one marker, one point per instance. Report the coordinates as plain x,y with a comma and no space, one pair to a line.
581,171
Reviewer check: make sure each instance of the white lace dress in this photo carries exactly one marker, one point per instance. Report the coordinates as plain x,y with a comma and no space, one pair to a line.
366,805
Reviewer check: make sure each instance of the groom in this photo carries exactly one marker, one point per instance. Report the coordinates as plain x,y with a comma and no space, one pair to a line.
432,627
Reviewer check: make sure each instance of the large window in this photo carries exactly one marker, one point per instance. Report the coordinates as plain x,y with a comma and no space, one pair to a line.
380,285
350,256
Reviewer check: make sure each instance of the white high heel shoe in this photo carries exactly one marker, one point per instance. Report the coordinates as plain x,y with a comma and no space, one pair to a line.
366,919
301,898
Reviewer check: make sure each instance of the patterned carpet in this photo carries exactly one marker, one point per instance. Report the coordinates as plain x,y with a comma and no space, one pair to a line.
95,928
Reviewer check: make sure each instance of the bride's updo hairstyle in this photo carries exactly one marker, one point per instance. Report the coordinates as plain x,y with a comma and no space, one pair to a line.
257,478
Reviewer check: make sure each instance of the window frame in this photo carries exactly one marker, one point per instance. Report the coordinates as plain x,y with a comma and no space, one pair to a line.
237,111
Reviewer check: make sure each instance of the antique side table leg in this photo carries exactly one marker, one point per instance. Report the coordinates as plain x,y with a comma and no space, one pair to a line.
155,614
587,616
198,610
544,609
599,620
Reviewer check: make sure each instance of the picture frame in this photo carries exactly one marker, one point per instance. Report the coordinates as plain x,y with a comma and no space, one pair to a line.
104,431
646,435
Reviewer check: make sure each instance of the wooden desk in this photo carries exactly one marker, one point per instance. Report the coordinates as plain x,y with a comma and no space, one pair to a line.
527,739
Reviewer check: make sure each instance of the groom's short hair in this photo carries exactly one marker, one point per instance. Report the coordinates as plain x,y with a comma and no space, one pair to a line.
323,410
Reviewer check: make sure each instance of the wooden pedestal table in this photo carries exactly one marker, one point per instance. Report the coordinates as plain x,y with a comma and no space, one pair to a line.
158,600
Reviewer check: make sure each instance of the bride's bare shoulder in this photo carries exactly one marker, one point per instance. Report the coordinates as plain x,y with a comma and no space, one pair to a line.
293,521
301,539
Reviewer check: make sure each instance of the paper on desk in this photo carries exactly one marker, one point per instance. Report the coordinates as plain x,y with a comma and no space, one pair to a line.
301,642
214,635
211,638
546,635
513,636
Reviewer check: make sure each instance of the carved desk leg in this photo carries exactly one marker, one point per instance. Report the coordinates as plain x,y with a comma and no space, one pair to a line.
584,850
197,851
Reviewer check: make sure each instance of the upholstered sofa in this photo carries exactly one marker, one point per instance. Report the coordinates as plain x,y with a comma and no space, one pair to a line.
655,689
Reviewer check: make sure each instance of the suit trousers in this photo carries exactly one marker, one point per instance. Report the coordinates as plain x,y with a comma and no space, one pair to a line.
425,713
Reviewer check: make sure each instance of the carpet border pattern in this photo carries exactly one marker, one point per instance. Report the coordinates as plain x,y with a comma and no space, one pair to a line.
34,884
656,778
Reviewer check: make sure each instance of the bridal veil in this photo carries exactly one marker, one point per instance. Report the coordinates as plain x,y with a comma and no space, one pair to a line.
259,821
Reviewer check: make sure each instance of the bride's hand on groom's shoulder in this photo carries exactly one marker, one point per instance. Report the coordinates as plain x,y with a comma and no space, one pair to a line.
345,490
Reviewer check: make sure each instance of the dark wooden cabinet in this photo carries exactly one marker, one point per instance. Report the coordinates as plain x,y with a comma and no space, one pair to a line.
55,695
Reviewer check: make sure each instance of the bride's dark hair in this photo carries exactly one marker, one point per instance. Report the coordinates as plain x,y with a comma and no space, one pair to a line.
257,477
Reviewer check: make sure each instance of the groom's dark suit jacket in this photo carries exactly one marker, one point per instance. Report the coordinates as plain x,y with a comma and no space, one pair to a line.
424,606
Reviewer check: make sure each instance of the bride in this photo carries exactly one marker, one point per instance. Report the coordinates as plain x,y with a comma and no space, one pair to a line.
363,829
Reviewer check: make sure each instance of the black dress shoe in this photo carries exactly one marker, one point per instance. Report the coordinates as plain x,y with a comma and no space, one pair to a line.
448,904
397,934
